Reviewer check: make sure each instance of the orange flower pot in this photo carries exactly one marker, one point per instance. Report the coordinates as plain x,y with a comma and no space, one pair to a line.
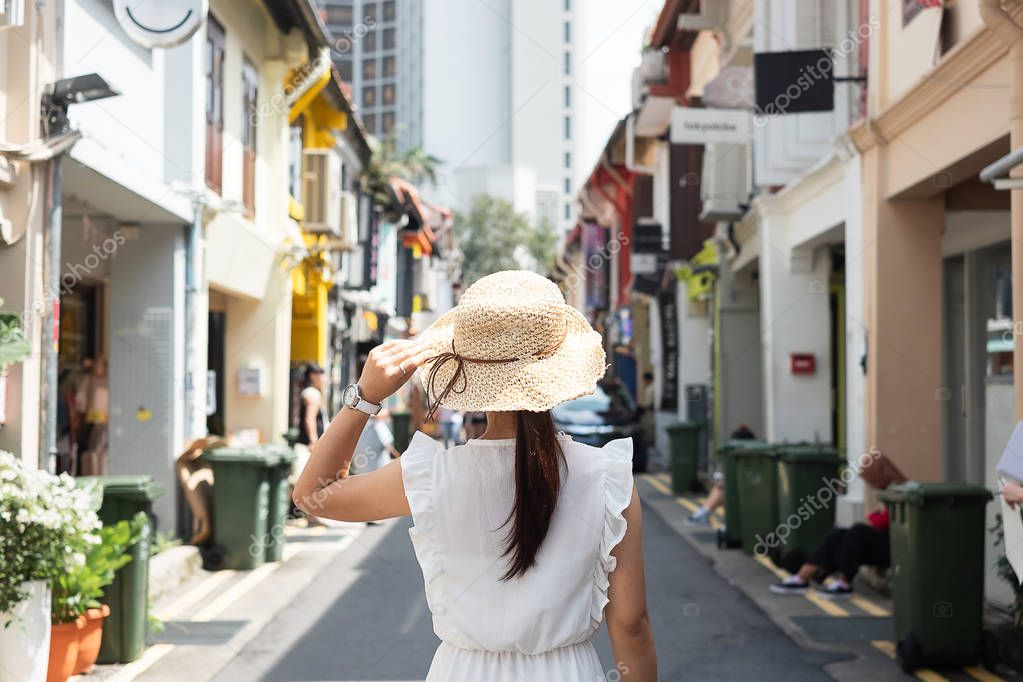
63,650
89,639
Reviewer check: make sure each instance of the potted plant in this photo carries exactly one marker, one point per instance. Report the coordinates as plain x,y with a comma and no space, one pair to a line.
77,593
47,526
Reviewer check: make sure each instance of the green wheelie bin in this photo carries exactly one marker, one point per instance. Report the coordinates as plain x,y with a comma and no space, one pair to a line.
124,631
401,427
731,535
685,452
241,503
756,470
809,483
938,589
279,501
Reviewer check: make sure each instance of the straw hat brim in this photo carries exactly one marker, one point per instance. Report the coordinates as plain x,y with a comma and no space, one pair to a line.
530,384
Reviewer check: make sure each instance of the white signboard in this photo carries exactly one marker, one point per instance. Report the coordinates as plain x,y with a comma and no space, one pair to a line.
708,126
250,381
160,23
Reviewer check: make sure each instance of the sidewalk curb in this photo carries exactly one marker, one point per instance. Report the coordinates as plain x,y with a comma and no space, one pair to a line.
741,565
172,567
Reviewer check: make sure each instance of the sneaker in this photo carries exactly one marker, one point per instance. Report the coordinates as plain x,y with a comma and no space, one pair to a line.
791,585
835,589
700,517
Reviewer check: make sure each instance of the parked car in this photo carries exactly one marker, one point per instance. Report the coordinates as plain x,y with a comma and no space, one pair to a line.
608,413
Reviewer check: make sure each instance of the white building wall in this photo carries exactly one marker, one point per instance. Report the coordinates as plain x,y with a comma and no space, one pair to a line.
146,300
850,505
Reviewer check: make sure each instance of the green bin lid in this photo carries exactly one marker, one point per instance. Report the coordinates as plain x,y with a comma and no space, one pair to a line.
127,486
734,444
285,455
684,426
809,453
260,455
759,449
915,492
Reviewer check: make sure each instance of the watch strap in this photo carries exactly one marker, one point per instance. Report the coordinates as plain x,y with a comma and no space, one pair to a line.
367,407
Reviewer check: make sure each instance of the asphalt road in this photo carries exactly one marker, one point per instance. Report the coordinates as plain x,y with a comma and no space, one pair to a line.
364,617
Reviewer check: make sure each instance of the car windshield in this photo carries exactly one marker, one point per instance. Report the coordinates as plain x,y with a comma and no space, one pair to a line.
607,399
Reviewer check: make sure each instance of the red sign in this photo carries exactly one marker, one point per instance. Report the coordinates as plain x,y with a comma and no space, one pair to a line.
803,363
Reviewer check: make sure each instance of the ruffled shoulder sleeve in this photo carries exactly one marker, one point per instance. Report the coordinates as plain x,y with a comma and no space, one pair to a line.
417,470
617,496
417,473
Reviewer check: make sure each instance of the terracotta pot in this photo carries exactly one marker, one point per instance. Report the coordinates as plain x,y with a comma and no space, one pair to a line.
90,638
63,649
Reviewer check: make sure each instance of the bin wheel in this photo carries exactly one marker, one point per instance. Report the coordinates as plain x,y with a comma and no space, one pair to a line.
213,557
908,654
989,655
722,538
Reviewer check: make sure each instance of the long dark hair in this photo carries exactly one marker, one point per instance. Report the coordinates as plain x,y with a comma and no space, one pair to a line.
538,461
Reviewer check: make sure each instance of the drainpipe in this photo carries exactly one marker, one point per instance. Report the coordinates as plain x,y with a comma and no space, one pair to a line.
193,277
1006,29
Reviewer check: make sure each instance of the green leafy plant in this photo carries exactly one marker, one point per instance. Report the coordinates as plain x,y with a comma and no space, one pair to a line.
14,347
81,587
388,161
47,527
164,541
1006,573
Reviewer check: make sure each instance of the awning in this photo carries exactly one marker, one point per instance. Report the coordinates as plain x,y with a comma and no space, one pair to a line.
303,87
654,116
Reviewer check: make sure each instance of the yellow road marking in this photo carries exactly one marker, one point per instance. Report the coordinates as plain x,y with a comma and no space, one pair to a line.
663,476
826,605
925,674
869,606
885,647
688,504
652,480
929,676
982,674
766,563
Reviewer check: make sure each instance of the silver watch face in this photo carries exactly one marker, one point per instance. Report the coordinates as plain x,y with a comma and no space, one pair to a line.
351,395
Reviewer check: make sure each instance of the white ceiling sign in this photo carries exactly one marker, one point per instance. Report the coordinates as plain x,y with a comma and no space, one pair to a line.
160,23
709,126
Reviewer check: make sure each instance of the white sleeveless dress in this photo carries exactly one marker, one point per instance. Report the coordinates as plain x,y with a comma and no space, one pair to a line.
538,626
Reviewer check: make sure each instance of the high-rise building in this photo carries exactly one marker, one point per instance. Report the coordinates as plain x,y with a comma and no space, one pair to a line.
500,101
488,87
378,47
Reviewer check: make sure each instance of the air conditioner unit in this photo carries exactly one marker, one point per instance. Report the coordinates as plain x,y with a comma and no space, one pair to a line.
349,219
713,14
12,13
727,182
321,190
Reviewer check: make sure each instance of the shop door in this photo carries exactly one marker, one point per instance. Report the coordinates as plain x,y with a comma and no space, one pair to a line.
216,363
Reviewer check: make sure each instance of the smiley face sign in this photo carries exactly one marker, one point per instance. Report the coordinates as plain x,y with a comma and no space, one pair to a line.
160,23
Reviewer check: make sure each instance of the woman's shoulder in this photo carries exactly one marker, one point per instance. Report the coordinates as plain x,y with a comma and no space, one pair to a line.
617,450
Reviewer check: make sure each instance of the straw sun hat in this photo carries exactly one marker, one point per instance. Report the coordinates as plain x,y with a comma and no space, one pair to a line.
511,343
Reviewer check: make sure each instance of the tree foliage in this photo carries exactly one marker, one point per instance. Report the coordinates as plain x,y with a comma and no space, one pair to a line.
388,161
493,237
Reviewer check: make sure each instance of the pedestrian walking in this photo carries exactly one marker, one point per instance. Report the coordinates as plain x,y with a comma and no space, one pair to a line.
527,540
450,425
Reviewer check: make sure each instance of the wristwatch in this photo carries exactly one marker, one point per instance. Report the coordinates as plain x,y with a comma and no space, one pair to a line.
353,399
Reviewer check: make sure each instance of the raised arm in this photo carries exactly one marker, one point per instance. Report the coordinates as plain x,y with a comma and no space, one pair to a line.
628,624
325,489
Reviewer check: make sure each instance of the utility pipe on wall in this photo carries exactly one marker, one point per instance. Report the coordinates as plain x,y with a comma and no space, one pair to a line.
998,16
